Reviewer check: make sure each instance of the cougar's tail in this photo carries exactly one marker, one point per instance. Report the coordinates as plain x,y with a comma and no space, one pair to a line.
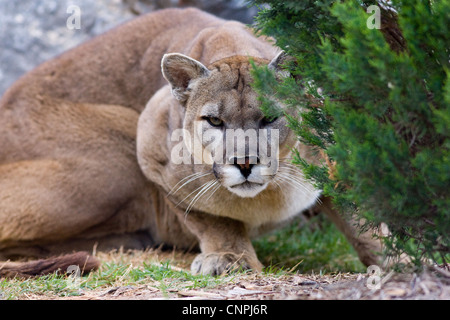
65,264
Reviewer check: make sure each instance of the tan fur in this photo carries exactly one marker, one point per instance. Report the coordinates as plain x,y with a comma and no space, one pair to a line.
64,264
71,175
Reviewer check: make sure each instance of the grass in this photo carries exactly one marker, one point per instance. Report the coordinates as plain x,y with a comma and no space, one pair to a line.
316,246
161,276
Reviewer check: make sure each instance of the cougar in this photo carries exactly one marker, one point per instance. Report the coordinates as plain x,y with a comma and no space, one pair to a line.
126,141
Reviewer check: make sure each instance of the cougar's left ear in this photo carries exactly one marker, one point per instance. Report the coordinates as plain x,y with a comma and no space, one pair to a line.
180,70
276,65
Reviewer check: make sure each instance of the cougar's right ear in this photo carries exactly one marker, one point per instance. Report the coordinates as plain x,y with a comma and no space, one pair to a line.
180,70
276,65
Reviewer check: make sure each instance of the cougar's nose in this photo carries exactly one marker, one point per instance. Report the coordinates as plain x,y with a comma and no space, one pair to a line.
245,164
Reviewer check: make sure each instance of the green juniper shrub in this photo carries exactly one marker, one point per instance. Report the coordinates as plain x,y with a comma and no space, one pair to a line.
376,102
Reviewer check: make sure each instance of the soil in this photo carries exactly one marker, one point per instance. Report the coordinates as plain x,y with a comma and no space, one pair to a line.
295,287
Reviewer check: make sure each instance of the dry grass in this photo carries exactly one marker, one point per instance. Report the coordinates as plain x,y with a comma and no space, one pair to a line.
149,275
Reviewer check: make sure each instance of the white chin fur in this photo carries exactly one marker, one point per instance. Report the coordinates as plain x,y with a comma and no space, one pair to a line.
247,191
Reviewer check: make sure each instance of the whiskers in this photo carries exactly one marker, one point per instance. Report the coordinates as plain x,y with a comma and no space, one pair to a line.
288,175
210,186
204,188
291,174
186,180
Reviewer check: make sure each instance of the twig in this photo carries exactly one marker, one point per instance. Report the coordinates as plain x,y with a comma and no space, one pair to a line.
443,272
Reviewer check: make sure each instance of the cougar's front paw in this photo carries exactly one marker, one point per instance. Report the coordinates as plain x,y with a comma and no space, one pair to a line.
222,262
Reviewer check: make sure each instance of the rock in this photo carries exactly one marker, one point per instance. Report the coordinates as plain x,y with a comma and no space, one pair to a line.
32,32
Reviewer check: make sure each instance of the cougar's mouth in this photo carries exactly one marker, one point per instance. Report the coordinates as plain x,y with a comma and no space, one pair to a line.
247,189
247,185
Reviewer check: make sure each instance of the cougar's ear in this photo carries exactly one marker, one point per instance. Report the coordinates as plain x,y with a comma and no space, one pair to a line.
179,70
277,62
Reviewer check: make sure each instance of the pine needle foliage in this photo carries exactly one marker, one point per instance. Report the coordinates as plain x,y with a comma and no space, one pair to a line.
376,102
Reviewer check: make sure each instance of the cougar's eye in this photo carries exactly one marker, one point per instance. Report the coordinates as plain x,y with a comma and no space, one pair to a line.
215,122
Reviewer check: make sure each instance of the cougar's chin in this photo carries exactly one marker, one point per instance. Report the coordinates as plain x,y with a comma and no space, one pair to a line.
247,189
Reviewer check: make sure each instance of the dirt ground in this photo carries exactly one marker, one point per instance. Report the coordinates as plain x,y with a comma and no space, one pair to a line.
296,287
429,285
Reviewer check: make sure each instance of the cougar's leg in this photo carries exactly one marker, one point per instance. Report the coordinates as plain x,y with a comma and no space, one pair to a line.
46,202
224,244
73,175
366,245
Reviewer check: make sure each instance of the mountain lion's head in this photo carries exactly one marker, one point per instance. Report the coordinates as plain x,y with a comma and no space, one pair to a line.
224,126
